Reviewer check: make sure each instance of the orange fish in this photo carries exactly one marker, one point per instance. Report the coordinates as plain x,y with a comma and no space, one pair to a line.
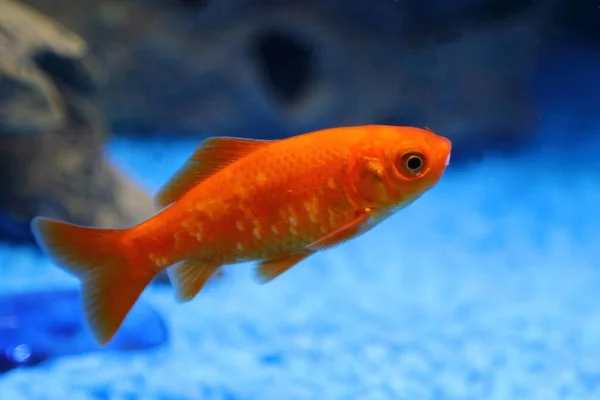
238,200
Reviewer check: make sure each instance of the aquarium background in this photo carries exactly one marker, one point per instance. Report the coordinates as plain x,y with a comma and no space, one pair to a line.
485,288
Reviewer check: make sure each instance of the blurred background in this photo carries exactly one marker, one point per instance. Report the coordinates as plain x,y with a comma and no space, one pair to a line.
484,289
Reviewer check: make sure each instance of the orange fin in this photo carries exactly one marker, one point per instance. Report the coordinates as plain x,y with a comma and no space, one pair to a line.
112,280
270,269
189,277
346,232
210,157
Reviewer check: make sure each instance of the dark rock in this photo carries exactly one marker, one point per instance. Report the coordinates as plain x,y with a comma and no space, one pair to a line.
268,69
42,326
578,21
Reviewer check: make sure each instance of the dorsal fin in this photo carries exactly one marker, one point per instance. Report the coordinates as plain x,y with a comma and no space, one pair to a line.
212,155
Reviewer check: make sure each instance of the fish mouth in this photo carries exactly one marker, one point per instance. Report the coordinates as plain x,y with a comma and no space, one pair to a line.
447,150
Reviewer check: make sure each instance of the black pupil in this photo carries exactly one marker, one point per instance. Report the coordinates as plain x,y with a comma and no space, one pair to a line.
414,163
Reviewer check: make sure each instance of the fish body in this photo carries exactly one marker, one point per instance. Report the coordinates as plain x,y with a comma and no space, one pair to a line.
238,200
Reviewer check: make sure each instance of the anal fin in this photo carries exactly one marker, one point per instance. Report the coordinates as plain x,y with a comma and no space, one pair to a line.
190,276
270,269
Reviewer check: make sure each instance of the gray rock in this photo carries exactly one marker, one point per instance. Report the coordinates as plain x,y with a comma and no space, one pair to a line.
47,85
63,174
34,50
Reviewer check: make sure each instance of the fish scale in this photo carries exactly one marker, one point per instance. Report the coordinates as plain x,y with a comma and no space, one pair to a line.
273,203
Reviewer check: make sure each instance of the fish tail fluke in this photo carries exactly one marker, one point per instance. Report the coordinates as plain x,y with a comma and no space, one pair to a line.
112,276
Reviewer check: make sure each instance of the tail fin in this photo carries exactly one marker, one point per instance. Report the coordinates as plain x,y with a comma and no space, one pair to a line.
112,277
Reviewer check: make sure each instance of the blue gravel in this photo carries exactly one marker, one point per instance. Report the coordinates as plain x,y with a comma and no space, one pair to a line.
486,288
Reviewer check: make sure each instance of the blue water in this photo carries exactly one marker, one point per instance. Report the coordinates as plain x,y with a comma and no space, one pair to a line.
485,288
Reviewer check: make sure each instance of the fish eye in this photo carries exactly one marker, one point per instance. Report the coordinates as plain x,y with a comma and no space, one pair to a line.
412,163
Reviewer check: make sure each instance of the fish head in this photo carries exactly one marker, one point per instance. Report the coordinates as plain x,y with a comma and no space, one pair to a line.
402,163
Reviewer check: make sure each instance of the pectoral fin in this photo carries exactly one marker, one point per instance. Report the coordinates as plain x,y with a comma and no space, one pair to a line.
346,232
270,269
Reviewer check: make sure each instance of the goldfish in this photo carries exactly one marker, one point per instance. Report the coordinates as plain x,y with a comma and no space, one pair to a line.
235,200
